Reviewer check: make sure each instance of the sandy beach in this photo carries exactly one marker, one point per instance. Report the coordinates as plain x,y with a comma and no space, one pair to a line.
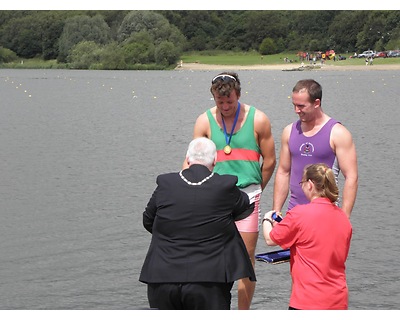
287,67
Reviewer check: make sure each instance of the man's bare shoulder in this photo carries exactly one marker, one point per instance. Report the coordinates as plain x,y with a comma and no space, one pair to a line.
202,125
202,116
288,127
340,133
260,116
286,132
213,111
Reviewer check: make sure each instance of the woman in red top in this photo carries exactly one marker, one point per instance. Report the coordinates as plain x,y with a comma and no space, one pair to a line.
318,235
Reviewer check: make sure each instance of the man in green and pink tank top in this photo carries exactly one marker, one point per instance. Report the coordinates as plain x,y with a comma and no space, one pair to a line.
244,158
246,148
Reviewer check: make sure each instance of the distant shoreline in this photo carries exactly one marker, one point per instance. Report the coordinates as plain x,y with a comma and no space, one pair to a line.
287,67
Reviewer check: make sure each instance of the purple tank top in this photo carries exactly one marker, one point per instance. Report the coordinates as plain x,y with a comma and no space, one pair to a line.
306,150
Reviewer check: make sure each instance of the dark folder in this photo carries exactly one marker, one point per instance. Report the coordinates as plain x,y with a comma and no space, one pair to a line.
274,257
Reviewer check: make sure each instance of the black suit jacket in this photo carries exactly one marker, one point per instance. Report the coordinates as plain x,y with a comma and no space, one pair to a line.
194,237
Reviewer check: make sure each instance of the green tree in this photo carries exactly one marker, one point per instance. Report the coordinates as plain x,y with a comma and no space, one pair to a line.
7,15
155,35
394,42
82,28
344,29
6,55
113,18
112,57
139,48
166,53
392,34
377,29
308,27
313,45
154,23
34,34
22,35
84,54
311,22
201,28
51,24
294,42
264,24
268,46
232,35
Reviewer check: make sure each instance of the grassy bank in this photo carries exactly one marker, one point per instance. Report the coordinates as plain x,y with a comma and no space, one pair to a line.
212,58
53,64
34,64
247,59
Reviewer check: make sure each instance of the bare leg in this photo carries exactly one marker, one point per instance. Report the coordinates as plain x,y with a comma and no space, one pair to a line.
246,287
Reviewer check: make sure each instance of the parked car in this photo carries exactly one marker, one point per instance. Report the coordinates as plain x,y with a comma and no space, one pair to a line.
367,54
393,53
381,54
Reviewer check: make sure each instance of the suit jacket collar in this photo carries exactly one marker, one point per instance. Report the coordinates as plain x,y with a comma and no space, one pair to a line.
196,173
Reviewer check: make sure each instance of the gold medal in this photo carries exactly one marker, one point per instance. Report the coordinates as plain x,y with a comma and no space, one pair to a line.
227,149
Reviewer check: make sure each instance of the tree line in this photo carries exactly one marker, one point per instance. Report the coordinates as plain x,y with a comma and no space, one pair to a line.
119,39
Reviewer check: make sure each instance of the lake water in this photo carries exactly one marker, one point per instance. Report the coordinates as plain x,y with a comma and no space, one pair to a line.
80,151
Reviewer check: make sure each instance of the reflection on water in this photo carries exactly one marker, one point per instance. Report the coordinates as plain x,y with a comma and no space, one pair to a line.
80,151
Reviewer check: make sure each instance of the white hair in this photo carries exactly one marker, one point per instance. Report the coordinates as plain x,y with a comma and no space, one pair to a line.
201,151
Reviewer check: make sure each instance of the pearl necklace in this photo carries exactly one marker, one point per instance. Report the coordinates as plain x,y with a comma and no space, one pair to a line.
195,183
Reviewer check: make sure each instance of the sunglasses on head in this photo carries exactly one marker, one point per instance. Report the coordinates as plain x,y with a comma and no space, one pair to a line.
225,78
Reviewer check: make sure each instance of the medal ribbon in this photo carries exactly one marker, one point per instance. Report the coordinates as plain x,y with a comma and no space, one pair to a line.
228,139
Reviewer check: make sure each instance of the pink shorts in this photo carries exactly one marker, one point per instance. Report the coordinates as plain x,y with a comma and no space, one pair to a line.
250,224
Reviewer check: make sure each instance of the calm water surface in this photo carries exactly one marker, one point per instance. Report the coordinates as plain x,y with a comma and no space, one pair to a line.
80,151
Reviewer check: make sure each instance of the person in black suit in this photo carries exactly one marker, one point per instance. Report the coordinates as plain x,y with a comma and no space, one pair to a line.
196,252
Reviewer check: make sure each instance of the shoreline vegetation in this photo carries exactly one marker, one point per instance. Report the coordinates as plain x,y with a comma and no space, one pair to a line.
285,61
159,39
288,67
232,61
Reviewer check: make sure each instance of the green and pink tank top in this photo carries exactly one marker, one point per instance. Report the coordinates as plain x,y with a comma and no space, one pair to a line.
244,160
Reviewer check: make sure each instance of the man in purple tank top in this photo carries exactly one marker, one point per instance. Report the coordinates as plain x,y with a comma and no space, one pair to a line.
314,138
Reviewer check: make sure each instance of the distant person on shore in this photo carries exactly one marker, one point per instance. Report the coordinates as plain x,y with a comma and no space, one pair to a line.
243,138
318,235
196,252
314,138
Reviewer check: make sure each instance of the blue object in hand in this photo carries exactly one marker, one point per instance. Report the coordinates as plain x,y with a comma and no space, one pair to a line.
276,217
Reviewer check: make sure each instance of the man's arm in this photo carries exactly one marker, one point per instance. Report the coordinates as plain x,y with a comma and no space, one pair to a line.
282,176
149,213
262,127
347,158
243,207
